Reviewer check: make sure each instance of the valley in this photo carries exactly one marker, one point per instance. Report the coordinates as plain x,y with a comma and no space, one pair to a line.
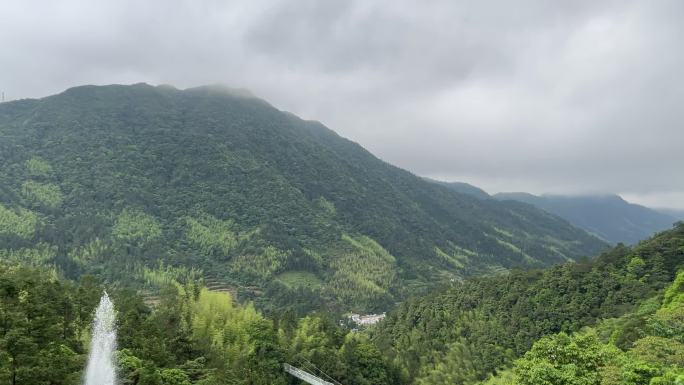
243,245
345,192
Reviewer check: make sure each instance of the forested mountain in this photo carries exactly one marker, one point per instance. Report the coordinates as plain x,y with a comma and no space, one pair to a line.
483,326
609,216
144,184
464,188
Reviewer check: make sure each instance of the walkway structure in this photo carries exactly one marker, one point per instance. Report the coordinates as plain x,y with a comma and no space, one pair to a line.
305,376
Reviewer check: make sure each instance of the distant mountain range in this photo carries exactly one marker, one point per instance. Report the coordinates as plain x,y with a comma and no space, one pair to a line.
609,217
678,214
148,184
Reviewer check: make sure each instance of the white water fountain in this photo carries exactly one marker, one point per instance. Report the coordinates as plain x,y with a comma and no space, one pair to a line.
101,369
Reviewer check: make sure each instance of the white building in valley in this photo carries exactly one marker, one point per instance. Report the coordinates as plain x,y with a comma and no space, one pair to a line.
366,320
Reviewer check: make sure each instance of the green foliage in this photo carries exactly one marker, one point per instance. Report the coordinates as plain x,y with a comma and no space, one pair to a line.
37,167
327,206
468,332
129,367
515,329
351,359
237,336
668,321
192,336
361,362
502,378
136,227
564,360
21,223
164,276
583,359
90,252
39,333
261,266
363,273
213,236
456,260
39,255
656,355
300,279
675,293
455,367
316,340
174,376
659,350
42,194
219,326
635,267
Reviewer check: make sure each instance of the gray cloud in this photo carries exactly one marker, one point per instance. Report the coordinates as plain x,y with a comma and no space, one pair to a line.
563,97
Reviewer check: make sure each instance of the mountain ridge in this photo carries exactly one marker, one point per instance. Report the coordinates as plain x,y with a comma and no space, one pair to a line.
462,187
144,176
608,216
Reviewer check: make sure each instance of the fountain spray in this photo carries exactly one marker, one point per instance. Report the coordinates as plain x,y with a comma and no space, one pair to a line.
101,369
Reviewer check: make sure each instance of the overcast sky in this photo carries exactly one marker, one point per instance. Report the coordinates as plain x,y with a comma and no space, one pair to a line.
539,96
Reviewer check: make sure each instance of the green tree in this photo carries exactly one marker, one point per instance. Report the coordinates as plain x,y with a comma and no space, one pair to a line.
564,360
361,363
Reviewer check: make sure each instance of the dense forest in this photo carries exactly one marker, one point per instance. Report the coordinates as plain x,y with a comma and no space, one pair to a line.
192,336
618,319
130,183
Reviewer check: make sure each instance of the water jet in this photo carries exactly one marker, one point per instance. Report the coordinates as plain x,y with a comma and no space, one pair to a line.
101,369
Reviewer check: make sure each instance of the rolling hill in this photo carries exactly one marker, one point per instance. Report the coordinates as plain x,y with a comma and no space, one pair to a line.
144,184
609,216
